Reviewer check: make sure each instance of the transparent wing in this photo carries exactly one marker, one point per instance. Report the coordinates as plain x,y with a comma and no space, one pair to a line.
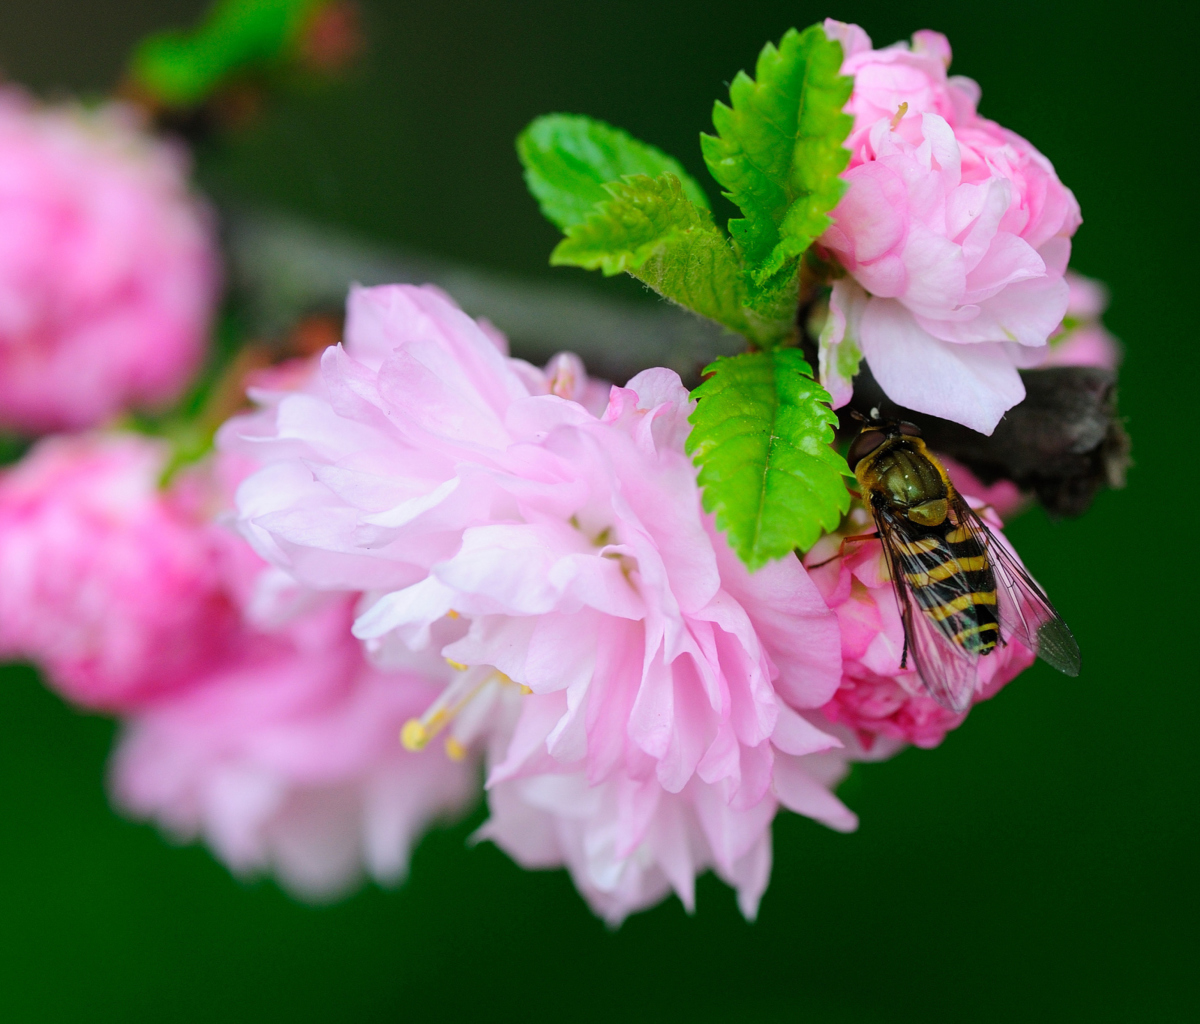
1024,610
949,671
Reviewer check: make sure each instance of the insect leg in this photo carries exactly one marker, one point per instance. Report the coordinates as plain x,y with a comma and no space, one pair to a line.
842,547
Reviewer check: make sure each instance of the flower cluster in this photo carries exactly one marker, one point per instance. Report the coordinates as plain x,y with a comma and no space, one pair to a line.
646,704
252,717
419,564
954,234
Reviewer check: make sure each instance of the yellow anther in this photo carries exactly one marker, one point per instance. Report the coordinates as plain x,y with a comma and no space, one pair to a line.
899,115
526,690
452,614
456,665
457,695
414,735
455,750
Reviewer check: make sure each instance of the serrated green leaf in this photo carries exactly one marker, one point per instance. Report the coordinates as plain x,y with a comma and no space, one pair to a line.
569,158
649,228
778,148
761,435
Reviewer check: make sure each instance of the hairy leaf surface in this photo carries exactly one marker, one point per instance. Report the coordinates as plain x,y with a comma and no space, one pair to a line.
569,158
761,435
650,228
778,148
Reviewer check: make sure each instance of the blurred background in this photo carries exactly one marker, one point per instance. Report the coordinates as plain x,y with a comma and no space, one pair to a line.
1039,865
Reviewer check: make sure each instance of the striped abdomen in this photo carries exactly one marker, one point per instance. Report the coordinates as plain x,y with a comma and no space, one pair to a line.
951,580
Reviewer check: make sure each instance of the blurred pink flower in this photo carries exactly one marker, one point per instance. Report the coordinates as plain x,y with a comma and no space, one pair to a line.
570,552
288,760
955,233
1083,340
253,719
112,585
876,698
108,268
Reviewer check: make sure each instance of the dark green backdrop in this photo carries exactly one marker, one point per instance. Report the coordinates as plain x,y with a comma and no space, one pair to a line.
1039,866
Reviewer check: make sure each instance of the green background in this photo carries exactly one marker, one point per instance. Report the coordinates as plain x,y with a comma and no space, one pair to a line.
1039,866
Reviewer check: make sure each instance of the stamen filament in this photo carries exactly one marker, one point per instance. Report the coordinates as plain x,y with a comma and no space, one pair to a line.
417,732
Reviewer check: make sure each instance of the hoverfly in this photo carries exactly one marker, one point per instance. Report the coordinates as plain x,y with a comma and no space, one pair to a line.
960,591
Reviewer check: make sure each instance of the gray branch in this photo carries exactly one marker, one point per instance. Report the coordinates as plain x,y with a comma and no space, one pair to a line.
1064,442
284,268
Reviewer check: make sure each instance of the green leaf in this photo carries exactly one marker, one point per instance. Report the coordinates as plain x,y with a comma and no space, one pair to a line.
569,158
778,149
649,228
185,68
762,431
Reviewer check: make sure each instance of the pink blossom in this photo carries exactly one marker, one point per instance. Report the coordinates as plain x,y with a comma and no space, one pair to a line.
1083,340
525,537
112,585
628,842
253,719
107,267
287,759
876,698
954,233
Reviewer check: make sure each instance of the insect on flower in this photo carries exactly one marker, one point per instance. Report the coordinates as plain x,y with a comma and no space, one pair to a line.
960,591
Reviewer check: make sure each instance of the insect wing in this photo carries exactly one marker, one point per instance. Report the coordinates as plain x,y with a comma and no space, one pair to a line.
949,671
1024,610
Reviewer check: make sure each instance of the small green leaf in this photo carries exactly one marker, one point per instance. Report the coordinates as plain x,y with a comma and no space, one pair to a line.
778,149
649,228
569,158
762,431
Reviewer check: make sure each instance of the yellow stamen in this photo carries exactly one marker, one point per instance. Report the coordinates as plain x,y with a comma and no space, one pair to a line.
525,690
414,736
452,614
899,115
458,666
455,750
417,732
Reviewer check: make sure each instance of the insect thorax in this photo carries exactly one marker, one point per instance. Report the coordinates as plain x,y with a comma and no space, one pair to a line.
903,475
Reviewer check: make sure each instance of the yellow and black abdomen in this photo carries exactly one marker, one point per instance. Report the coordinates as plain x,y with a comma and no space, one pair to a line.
944,563
953,583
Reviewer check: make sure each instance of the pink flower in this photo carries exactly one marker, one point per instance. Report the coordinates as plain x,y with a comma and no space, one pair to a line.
112,585
876,698
954,233
253,719
107,267
629,842
287,759
520,534
1083,340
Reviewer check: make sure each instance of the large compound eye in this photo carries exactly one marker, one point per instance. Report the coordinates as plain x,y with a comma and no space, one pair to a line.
864,444
910,429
